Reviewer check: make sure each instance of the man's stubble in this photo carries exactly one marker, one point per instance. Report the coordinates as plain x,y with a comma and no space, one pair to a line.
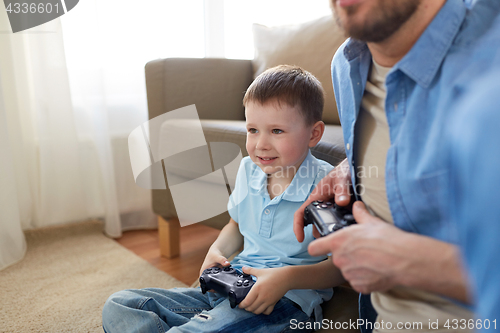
380,23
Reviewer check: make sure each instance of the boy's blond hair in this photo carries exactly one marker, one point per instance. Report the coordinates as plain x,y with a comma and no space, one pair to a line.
291,85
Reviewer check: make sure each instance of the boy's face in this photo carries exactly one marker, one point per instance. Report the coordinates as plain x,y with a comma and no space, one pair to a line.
277,136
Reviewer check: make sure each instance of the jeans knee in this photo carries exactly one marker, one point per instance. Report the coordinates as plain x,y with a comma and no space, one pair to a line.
110,308
118,304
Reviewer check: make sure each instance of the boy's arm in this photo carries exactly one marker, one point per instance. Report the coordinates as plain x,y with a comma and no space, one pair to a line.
273,283
318,276
228,242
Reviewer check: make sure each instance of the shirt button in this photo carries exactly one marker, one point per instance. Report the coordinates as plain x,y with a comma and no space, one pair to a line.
267,211
348,146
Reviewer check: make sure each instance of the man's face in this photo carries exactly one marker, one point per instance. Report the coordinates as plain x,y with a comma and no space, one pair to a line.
373,20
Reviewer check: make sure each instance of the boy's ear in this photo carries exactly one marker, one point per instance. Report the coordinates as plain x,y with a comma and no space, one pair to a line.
317,131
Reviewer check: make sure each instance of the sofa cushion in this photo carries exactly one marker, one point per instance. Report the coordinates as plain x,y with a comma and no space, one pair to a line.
330,148
310,45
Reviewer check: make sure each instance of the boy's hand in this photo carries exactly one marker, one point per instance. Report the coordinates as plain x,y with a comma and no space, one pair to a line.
270,287
336,184
214,258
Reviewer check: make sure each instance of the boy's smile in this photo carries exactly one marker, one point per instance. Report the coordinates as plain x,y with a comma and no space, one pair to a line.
266,160
277,137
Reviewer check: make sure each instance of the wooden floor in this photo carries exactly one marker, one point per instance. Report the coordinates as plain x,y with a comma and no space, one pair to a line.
195,241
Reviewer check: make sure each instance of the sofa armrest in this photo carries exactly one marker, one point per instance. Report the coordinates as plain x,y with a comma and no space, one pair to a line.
215,86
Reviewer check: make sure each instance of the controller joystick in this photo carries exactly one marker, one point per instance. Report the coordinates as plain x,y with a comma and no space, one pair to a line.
227,281
327,217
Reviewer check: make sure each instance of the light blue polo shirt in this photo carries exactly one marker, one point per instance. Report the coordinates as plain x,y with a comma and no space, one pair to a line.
267,225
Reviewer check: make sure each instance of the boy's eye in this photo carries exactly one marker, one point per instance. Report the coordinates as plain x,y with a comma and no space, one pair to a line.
277,131
252,130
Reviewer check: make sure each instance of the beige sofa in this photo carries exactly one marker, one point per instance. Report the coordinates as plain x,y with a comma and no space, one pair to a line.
217,86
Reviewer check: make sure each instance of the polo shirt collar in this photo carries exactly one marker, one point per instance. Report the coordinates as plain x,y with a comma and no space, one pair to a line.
426,56
301,184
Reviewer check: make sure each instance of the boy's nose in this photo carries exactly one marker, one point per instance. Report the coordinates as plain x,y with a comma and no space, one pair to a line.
263,143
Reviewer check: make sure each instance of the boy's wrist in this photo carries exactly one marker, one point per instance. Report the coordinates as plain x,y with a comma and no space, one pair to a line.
286,277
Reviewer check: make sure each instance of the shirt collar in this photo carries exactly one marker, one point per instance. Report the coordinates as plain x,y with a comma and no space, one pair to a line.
301,184
354,48
423,61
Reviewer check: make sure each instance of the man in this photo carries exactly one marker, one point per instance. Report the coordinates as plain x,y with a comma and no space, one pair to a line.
474,149
392,82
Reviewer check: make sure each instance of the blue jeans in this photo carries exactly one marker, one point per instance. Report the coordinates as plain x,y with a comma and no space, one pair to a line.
188,310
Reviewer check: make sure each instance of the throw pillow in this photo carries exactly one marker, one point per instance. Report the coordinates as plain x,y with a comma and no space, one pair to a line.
310,45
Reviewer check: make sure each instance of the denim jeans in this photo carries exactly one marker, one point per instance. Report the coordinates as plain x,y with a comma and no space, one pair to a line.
188,310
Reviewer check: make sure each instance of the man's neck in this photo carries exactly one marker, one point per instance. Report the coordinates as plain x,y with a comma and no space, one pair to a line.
388,52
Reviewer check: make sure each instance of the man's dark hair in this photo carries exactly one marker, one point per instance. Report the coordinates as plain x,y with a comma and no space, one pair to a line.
291,85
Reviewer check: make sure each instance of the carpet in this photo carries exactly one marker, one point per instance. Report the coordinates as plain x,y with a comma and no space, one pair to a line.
67,275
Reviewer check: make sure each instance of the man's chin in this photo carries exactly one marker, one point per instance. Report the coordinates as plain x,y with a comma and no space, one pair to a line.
373,21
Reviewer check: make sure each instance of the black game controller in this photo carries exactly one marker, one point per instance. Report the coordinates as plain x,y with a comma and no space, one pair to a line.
328,217
227,281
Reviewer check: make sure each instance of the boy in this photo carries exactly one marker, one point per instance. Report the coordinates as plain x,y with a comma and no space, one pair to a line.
283,109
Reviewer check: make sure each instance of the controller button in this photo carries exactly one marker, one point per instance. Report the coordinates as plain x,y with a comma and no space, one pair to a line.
246,283
328,203
349,218
320,201
324,206
238,284
315,203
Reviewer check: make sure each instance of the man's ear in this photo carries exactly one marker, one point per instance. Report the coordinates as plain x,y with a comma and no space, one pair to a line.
317,131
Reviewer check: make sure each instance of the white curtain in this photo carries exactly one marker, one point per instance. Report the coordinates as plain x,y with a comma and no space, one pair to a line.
59,161
12,243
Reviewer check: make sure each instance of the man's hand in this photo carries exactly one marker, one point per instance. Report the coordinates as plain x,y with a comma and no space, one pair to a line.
375,256
270,287
365,252
214,258
336,184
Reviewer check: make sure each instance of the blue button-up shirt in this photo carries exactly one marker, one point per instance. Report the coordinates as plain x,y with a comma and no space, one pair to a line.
267,224
419,96
475,180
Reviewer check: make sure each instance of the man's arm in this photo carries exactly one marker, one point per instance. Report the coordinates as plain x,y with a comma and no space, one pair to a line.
273,283
376,256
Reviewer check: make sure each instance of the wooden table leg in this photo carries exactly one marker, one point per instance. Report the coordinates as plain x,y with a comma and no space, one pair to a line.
168,231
